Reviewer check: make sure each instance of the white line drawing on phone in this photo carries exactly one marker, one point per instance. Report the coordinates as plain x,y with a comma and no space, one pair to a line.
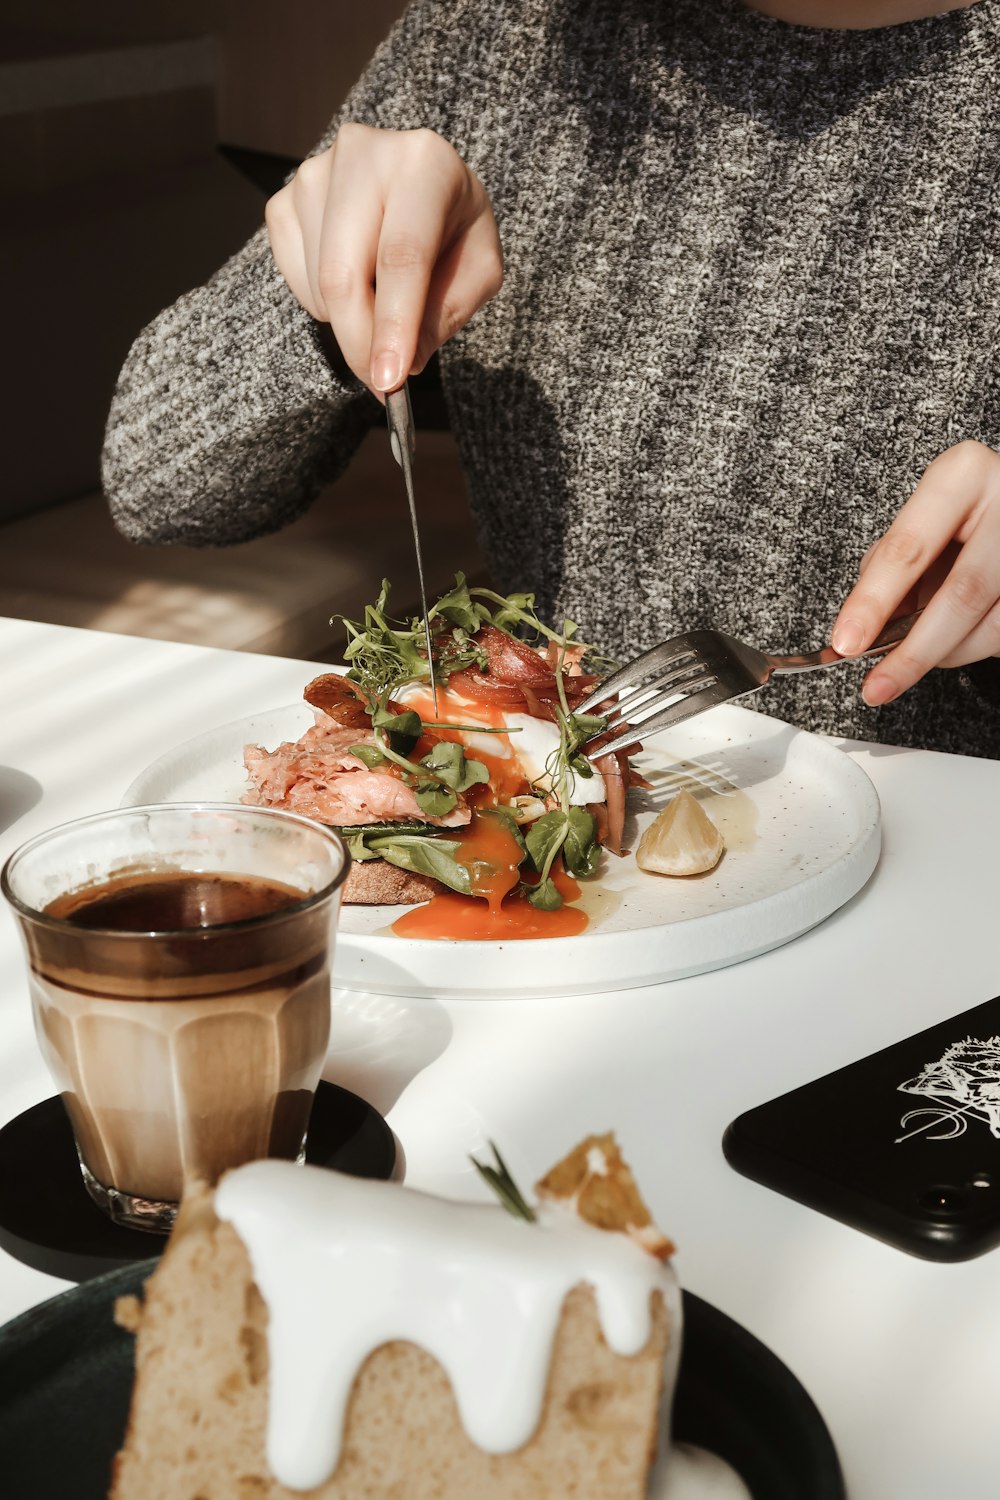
969,1073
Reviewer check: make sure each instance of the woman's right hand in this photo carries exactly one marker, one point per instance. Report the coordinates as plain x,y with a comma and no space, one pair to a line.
390,238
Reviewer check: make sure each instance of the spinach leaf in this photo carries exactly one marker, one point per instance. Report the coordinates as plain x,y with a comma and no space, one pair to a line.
433,799
426,856
402,730
370,755
358,837
581,852
545,838
356,846
544,895
447,763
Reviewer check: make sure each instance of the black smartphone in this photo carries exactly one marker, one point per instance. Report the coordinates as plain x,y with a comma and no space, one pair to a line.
904,1144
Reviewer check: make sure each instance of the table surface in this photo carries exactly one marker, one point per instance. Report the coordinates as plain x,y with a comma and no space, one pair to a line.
901,1355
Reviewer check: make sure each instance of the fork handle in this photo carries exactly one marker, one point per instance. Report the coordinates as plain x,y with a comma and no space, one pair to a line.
893,633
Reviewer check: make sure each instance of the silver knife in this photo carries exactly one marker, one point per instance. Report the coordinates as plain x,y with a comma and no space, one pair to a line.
403,441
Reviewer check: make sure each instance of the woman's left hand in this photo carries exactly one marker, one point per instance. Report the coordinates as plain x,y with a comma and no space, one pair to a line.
941,552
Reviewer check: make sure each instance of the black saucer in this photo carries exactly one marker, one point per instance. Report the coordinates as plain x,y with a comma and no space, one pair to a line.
48,1221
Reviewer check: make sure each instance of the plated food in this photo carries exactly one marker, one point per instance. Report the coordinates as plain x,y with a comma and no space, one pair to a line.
484,797
800,820
307,1331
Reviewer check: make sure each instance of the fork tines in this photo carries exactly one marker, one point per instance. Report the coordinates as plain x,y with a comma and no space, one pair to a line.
673,681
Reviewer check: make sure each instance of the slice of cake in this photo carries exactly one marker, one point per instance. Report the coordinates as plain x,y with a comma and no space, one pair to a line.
312,1333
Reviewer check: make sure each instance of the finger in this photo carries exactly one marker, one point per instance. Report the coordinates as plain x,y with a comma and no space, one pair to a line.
417,217
345,235
948,491
285,234
468,275
862,565
959,609
979,644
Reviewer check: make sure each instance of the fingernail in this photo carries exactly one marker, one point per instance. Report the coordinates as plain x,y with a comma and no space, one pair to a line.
387,372
876,691
848,638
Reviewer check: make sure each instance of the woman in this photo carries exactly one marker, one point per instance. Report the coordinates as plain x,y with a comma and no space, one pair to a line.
747,339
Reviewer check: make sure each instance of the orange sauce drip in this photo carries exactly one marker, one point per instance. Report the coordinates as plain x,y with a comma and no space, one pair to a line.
491,854
507,780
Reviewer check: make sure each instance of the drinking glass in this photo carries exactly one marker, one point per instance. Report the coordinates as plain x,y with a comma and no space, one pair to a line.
179,969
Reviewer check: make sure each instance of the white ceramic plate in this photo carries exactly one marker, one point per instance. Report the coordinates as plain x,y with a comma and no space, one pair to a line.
802,831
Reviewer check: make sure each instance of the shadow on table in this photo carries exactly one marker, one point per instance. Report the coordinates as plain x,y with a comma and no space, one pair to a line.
19,793
876,751
379,1043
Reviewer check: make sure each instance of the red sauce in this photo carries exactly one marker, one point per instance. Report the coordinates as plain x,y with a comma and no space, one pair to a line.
491,854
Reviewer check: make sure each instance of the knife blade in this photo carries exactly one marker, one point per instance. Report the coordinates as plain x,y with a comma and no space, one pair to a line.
403,441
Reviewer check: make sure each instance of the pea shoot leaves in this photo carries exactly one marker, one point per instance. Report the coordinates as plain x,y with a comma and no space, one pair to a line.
384,654
436,778
573,834
447,761
402,730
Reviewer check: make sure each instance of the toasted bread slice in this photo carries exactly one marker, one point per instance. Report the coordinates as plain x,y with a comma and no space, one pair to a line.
375,882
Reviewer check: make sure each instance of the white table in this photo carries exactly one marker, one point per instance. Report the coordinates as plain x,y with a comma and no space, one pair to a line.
901,1355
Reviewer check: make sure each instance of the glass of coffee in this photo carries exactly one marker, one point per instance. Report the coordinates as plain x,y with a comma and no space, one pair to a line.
179,962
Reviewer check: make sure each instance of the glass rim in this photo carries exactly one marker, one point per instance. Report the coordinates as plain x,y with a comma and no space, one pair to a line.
61,924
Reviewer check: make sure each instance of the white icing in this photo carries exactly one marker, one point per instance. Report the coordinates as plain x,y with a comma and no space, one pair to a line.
346,1265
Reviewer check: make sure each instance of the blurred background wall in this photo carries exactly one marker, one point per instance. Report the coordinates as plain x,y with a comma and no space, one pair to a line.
117,199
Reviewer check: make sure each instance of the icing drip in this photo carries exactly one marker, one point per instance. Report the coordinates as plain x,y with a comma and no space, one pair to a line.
346,1265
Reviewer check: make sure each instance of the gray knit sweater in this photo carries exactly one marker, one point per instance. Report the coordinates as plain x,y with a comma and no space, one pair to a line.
753,288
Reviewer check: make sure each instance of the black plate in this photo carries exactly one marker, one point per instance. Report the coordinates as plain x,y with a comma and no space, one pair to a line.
66,1376
48,1220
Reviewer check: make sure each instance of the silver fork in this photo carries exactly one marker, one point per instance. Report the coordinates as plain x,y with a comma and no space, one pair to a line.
684,676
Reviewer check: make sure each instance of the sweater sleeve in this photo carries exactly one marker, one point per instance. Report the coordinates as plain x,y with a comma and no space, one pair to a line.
227,417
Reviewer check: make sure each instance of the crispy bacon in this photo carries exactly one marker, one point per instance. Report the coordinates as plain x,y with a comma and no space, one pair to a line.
614,769
340,699
599,813
481,689
520,678
541,708
511,660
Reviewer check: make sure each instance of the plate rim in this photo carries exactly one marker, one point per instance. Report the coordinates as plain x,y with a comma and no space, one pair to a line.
413,955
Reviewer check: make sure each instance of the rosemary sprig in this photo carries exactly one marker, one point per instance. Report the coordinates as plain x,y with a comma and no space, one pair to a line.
503,1184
